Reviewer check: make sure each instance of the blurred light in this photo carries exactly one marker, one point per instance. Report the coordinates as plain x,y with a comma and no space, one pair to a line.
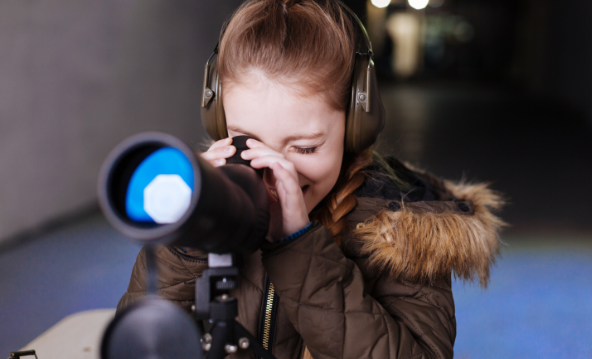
404,28
418,4
436,3
381,3
167,198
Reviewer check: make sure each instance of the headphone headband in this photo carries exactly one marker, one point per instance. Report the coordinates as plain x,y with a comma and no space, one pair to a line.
360,26
363,121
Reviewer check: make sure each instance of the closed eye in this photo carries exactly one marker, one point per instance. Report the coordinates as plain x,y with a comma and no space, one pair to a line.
305,150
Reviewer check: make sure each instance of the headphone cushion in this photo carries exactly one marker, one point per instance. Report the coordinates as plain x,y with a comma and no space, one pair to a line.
213,117
362,127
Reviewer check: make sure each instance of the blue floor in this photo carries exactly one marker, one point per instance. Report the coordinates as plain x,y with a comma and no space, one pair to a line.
538,304
84,266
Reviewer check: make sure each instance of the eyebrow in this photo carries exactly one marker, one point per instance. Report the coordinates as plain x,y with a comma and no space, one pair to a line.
308,136
240,130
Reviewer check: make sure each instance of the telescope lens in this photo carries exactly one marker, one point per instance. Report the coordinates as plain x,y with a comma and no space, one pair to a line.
160,188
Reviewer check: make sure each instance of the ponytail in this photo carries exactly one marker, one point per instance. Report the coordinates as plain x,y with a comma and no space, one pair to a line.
342,199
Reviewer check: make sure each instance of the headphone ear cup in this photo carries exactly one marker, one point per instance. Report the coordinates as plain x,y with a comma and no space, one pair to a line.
366,115
213,117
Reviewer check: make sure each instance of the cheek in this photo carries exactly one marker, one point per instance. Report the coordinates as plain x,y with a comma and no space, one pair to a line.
321,172
319,169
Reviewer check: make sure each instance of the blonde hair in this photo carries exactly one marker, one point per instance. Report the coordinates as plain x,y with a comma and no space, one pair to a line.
309,45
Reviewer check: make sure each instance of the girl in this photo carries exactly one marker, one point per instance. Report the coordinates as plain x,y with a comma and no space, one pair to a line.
361,249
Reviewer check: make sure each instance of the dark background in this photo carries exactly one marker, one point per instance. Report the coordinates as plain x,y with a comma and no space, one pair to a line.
501,92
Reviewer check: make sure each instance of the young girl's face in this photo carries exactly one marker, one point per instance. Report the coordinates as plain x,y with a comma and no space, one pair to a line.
304,130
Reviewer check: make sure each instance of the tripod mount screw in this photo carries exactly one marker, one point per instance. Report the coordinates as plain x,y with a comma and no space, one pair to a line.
206,342
230,349
226,284
243,343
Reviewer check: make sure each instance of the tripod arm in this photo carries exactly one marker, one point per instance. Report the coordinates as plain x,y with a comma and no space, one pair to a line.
213,280
213,303
227,336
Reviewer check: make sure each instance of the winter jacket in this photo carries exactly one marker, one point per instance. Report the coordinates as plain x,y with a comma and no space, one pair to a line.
384,293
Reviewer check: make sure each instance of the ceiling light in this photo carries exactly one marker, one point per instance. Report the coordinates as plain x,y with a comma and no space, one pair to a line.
418,4
381,3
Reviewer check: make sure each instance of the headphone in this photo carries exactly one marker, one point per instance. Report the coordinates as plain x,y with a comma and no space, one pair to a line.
365,116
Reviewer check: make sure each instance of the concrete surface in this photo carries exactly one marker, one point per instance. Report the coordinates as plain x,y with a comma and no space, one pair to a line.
78,336
77,77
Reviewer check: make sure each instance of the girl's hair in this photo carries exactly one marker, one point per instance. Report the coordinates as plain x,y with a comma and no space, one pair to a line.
342,199
309,45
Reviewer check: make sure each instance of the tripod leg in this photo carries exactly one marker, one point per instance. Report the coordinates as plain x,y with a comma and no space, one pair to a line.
222,334
255,346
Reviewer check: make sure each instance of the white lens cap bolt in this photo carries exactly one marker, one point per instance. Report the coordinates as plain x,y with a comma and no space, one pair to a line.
167,198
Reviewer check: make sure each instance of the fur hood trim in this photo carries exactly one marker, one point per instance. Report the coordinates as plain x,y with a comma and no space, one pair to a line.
424,246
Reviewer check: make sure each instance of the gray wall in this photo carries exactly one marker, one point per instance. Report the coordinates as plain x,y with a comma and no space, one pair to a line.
77,77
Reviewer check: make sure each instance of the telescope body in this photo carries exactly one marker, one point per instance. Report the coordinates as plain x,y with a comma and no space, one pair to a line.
155,189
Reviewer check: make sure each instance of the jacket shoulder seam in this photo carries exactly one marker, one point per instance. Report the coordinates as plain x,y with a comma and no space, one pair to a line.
161,288
182,262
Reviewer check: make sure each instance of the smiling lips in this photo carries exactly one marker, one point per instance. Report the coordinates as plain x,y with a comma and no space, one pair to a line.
275,196
304,190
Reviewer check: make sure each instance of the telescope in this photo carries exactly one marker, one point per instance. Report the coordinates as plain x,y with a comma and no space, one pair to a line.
156,190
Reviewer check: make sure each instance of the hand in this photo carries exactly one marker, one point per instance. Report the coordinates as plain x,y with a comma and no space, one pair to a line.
282,184
217,154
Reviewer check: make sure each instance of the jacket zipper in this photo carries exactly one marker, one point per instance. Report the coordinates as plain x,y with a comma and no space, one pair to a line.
267,322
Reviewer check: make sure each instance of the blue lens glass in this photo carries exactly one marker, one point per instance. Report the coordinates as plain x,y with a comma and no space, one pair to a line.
160,188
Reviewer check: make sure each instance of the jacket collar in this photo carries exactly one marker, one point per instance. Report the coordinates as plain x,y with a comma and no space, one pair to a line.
426,240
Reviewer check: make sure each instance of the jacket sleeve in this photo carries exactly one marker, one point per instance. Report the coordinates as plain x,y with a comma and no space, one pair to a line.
176,273
323,293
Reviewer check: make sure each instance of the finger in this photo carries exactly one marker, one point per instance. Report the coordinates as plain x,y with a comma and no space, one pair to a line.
221,143
289,203
256,145
259,152
253,143
294,212
269,161
286,184
216,162
218,156
221,152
